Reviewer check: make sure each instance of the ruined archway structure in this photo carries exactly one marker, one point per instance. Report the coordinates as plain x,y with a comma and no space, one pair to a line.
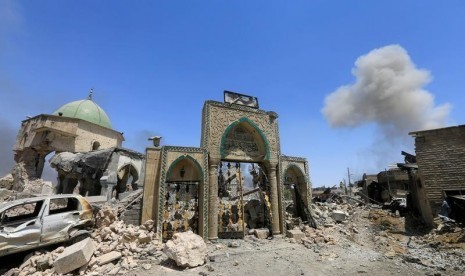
78,126
232,132
87,151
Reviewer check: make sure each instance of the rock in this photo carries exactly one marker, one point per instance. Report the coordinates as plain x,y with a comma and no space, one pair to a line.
43,263
143,238
262,233
74,256
295,234
339,215
186,249
146,266
109,257
234,244
12,272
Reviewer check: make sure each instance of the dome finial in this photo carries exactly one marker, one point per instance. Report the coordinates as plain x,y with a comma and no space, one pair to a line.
90,94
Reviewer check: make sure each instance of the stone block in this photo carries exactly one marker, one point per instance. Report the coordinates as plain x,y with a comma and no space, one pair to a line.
109,257
262,233
296,234
74,256
186,249
339,215
143,238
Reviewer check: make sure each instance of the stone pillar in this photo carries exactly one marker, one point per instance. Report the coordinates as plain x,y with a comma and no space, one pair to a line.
151,185
107,187
213,200
40,165
275,226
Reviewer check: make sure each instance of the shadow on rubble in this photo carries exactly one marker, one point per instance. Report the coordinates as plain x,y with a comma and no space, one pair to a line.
414,225
15,260
169,263
11,261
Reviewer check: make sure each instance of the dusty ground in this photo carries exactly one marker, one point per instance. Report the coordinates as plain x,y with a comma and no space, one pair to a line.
372,242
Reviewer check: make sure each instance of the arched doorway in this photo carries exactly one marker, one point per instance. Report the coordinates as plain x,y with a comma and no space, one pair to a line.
295,193
181,200
243,186
127,178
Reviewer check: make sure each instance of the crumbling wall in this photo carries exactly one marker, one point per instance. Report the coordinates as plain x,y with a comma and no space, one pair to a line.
441,162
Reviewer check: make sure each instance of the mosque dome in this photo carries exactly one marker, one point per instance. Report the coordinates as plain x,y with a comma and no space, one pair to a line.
86,110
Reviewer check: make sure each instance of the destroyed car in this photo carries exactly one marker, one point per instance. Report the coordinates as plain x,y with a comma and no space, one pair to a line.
40,221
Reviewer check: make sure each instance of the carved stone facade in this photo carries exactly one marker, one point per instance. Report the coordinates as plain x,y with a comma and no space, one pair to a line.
220,118
181,179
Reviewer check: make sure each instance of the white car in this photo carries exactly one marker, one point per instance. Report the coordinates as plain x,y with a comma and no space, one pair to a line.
40,221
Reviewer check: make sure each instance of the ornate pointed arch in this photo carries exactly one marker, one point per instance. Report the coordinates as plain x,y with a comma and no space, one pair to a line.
258,136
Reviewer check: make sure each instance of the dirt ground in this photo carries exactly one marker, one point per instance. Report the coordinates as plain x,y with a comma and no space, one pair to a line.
371,242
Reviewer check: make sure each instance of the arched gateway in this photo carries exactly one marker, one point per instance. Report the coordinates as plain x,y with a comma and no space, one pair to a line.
232,183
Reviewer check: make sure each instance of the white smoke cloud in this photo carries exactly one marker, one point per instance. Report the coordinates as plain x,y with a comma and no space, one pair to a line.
388,91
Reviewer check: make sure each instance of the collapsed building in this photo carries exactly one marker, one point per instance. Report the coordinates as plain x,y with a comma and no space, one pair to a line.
384,186
88,156
437,172
237,180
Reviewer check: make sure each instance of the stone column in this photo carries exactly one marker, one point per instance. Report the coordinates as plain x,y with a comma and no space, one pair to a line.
151,185
107,187
213,200
40,164
274,199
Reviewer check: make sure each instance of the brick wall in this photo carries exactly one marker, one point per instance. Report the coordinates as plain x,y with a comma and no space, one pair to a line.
441,162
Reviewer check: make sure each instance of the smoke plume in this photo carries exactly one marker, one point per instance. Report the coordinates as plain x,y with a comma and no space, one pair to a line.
388,91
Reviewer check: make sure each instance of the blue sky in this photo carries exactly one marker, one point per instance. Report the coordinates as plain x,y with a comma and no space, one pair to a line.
152,64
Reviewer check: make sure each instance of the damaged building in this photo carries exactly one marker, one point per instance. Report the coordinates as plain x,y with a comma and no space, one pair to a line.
439,172
385,185
86,152
236,181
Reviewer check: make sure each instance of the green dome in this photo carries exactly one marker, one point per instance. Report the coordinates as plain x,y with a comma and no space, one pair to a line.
86,110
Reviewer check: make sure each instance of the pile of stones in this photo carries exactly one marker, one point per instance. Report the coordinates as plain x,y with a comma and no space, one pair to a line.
114,248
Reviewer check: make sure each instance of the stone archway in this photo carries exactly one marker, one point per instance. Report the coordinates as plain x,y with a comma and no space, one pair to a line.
243,141
180,204
127,177
295,192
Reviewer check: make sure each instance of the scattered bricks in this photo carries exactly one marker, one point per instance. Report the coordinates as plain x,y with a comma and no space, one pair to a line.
109,257
296,234
74,256
338,215
262,233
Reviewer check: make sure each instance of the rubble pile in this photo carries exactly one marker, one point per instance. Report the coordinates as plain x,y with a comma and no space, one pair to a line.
327,214
319,235
18,184
118,248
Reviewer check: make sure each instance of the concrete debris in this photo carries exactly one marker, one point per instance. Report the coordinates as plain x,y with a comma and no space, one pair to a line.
262,233
108,257
186,249
117,249
339,215
295,234
74,256
105,216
